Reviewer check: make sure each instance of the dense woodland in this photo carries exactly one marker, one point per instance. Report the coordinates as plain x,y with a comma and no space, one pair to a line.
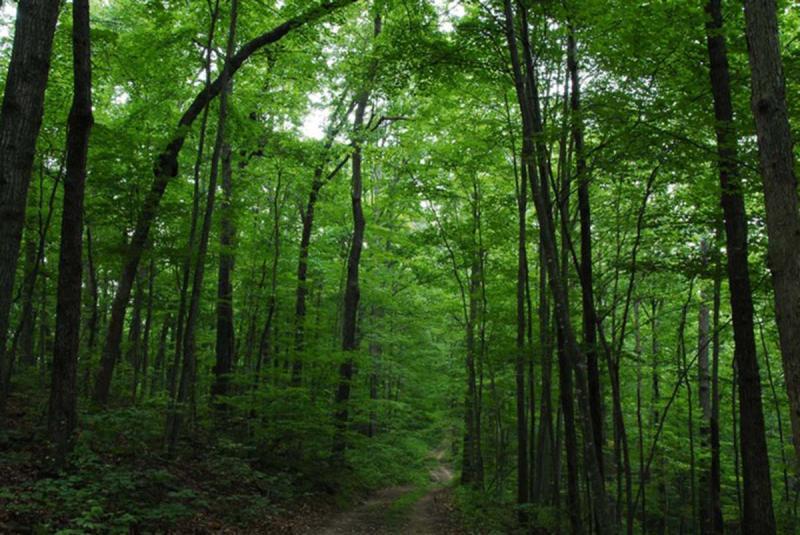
261,259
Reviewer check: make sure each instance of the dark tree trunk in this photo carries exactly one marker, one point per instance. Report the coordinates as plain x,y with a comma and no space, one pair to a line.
157,381
544,484
307,217
714,476
704,397
225,332
62,413
776,155
521,354
541,197
567,394
166,168
186,384
352,292
20,120
472,467
134,353
189,256
144,364
94,294
758,512
586,274
27,357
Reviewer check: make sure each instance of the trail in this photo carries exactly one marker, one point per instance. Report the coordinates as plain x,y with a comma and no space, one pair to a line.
403,509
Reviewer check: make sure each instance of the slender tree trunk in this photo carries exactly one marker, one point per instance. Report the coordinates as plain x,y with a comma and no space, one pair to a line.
27,357
94,293
189,257
188,369
587,286
166,168
758,512
134,354
148,324
307,217
157,381
714,477
521,354
352,292
778,417
62,414
225,326
541,196
566,392
546,480
704,395
776,155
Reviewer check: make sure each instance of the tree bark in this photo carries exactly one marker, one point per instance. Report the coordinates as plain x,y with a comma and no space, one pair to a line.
541,197
521,354
714,477
758,512
352,292
62,414
189,257
166,168
589,314
307,217
225,326
20,120
186,385
776,156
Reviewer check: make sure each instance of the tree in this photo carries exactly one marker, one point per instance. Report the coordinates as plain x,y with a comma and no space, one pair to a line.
62,414
776,157
20,120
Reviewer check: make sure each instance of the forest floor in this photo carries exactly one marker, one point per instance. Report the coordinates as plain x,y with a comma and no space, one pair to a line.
421,510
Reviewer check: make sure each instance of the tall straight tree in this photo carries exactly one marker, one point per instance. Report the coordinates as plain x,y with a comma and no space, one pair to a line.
166,168
352,292
589,313
758,512
62,414
307,218
225,327
521,351
185,393
20,120
541,197
780,188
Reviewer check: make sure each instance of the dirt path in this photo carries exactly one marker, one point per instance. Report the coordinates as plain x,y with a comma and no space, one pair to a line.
403,510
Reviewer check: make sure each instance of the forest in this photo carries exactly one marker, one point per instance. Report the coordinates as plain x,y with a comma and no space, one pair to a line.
400,266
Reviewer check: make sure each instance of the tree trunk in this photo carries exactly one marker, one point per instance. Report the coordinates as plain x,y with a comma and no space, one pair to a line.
714,477
62,413
302,262
27,356
758,513
586,272
188,369
352,292
566,392
225,332
157,381
20,120
189,256
546,480
776,156
166,168
521,354
704,395
541,196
